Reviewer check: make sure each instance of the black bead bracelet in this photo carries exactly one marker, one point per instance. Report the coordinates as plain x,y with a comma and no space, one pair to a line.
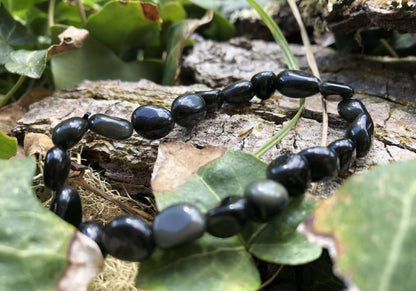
131,238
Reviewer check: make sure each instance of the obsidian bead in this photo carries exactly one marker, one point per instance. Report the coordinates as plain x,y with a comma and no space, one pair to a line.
349,109
69,132
56,170
345,149
228,218
67,205
264,84
297,84
129,238
94,230
178,224
265,199
238,92
110,127
213,99
152,122
329,89
188,110
292,171
361,131
323,162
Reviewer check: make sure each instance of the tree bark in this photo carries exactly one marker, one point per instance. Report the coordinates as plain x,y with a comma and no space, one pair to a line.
384,85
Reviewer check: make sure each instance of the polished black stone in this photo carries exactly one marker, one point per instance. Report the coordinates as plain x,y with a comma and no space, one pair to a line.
228,218
265,199
297,84
349,109
69,132
128,238
292,171
264,84
94,230
111,127
152,122
67,205
188,110
238,92
178,224
329,89
56,170
323,162
345,149
213,99
361,131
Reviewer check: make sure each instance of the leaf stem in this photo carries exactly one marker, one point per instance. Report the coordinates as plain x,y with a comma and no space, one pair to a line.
271,279
5,98
51,13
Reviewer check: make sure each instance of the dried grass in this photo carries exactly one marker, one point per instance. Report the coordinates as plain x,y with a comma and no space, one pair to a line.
117,274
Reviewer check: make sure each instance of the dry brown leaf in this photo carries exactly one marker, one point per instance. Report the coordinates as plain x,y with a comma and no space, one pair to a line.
10,114
190,26
71,38
176,161
36,144
85,261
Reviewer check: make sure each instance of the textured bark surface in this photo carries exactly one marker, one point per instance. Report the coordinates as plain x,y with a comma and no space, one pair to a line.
350,16
339,16
384,86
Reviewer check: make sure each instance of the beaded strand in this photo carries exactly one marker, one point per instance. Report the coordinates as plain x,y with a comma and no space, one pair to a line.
129,237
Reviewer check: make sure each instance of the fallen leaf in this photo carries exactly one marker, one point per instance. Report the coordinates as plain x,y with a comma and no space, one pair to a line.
37,144
176,161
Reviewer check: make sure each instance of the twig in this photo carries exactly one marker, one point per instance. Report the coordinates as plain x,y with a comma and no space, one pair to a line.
314,67
389,48
13,90
312,64
81,11
129,209
271,278
51,13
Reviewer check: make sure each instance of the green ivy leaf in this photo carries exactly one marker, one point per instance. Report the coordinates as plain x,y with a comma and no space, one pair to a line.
8,146
173,12
278,240
33,241
11,33
27,63
87,63
124,26
219,29
372,220
226,264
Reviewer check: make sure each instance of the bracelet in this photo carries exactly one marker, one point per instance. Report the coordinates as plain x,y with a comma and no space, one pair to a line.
131,238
